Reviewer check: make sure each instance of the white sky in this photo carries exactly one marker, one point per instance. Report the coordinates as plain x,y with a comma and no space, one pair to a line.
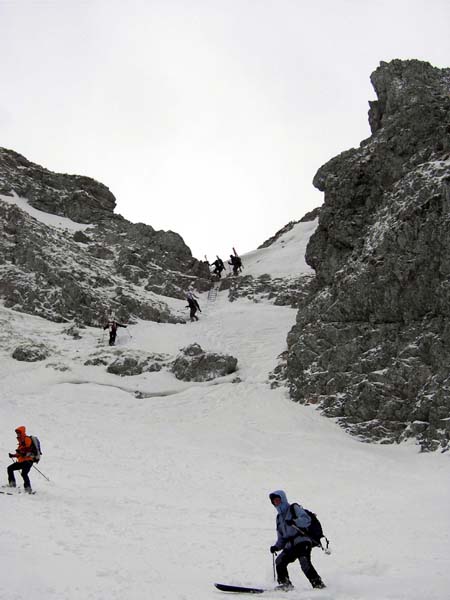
209,118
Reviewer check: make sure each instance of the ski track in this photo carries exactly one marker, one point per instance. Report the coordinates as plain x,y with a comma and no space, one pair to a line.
161,497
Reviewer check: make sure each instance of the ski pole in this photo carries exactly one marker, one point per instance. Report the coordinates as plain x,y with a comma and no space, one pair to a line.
131,337
273,563
45,476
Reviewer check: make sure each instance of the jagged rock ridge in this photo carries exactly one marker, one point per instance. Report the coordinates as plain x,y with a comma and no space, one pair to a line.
113,265
371,345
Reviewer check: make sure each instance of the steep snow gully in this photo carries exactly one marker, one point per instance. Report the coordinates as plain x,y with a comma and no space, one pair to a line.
158,488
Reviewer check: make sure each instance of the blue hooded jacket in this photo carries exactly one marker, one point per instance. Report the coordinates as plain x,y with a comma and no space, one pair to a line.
287,534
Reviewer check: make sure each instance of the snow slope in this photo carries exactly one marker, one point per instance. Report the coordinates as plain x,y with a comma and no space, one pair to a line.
285,257
159,497
44,217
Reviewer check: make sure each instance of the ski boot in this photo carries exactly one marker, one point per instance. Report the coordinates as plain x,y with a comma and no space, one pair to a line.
285,586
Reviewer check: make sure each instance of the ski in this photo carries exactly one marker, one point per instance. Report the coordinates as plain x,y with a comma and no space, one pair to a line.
239,589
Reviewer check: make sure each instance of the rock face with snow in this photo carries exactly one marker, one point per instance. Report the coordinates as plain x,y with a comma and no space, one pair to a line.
280,291
81,199
31,352
84,274
126,363
372,343
194,364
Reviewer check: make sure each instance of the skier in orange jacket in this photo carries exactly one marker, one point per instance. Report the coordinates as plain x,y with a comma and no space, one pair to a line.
24,455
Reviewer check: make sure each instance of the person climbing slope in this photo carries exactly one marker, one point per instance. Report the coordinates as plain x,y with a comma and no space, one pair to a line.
218,267
25,458
193,305
112,325
294,542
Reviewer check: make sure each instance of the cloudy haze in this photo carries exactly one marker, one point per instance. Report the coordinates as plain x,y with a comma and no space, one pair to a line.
209,118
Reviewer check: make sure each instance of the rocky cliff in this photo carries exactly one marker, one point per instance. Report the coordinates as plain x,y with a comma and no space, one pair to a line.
371,345
69,273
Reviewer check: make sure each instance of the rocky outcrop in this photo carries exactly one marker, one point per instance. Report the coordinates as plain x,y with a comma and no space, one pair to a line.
31,352
371,345
276,290
81,199
194,364
127,364
110,266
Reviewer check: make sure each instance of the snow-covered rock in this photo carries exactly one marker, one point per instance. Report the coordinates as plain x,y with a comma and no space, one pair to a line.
194,364
372,343
31,352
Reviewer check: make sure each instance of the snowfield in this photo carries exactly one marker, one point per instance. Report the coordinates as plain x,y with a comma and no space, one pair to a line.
160,497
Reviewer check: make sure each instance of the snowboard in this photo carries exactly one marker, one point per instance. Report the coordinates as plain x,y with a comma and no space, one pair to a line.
223,587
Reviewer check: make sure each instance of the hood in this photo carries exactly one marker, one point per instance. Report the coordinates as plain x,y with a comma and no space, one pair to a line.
283,507
21,431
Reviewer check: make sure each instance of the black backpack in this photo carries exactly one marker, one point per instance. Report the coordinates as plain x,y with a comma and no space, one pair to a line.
314,531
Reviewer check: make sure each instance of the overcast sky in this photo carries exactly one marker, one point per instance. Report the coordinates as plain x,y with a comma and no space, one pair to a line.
206,117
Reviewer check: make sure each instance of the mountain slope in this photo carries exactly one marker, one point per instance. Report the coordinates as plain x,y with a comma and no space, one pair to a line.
163,492
65,255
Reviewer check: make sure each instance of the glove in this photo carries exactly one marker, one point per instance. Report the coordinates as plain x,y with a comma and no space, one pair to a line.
11,455
289,522
273,549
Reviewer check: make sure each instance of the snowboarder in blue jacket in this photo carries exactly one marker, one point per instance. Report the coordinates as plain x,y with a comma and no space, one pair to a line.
293,541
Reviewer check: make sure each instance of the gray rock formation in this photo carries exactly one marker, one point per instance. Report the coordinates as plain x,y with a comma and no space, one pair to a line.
133,365
113,266
371,345
194,364
277,290
81,199
31,352
128,362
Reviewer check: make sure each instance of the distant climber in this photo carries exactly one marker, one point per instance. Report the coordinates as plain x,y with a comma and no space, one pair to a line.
190,293
219,267
236,262
193,305
112,325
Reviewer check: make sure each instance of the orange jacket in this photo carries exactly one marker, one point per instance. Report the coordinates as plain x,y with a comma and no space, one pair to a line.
24,448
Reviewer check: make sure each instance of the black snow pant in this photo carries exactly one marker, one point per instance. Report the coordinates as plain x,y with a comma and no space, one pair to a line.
192,315
302,551
25,467
112,337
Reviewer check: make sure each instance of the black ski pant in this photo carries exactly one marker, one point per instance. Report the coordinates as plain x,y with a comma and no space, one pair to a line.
25,467
112,337
192,314
302,552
